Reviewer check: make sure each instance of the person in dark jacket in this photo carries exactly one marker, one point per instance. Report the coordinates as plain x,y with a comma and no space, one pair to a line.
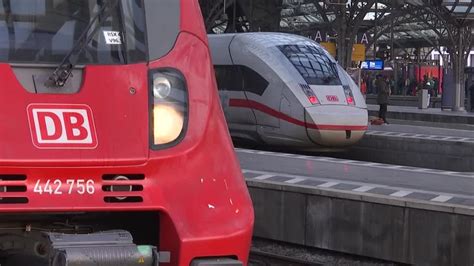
383,92
436,86
472,97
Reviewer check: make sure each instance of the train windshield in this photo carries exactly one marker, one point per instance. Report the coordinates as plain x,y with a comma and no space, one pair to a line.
45,31
312,63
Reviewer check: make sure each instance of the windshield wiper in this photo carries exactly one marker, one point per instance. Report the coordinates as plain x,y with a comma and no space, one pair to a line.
62,73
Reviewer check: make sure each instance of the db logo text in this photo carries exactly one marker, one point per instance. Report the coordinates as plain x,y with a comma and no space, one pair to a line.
62,126
332,98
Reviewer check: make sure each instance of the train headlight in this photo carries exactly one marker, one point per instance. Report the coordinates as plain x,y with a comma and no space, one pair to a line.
349,96
310,94
161,87
168,107
168,124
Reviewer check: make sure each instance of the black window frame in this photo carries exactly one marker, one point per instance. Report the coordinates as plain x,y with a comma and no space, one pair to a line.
244,79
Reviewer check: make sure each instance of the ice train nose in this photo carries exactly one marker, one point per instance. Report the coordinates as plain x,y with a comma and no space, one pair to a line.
336,126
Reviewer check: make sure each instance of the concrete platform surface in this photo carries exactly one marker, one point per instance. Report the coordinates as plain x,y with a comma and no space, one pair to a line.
426,117
399,100
418,146
408,215
403,231
436,187
416,110
425,132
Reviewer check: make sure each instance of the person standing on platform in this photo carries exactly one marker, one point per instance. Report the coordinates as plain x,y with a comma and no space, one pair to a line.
374,86
383,92
363,89
407,87
436,86
472,97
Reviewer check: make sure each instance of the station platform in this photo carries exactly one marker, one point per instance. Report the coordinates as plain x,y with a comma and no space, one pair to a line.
434,117
395,213
404,100
399,182
422,132
424,146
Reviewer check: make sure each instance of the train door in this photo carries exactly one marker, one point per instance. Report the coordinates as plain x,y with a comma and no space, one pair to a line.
262,97
256,62
231,82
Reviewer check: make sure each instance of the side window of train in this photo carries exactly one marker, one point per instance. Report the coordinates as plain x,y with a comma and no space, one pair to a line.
229,78
253,82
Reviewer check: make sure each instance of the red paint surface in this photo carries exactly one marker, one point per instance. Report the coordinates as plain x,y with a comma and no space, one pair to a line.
181,182
272,112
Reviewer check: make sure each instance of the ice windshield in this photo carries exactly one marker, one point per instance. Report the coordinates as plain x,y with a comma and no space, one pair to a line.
44,31
312,63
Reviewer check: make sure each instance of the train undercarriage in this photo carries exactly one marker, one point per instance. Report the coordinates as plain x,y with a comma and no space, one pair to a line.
115,238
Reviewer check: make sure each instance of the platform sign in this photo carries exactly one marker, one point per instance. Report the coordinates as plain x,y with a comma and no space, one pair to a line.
372,65
358,52
330,47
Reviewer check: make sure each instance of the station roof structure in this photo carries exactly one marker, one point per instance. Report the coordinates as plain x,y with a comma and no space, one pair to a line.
463,9
413,23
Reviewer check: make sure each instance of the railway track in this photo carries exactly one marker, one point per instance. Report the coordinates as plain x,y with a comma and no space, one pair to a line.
262,258
266,252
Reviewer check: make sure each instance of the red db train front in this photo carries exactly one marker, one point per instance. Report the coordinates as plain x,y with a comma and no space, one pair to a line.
113,145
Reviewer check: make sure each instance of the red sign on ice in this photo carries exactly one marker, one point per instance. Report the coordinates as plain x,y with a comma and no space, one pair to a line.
332,98
55,126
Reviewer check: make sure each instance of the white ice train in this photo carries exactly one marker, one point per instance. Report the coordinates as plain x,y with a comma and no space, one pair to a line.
286,90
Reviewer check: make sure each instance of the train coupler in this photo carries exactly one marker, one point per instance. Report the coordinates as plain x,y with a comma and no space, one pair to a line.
111,248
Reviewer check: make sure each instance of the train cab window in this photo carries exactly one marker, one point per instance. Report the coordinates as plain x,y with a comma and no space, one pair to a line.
229,78
45,31
312,63
253,82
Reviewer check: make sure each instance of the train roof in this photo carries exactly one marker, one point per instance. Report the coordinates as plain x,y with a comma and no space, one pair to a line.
262,38
220,43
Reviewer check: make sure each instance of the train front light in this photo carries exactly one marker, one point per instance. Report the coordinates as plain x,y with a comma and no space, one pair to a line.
169,107
349,96
310,94
168,124
161,87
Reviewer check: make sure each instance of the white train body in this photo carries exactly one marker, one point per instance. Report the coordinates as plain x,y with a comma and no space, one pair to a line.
285,90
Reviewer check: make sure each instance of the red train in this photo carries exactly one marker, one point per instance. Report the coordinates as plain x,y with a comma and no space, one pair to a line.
113,144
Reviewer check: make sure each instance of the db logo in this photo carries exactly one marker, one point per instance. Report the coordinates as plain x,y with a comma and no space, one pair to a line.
62,126
332,98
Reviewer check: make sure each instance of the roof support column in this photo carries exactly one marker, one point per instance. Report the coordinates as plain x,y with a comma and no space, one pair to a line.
459,74
342,38
375,29
392,56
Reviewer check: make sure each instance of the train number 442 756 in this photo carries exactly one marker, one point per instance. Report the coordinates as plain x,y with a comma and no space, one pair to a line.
69,186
